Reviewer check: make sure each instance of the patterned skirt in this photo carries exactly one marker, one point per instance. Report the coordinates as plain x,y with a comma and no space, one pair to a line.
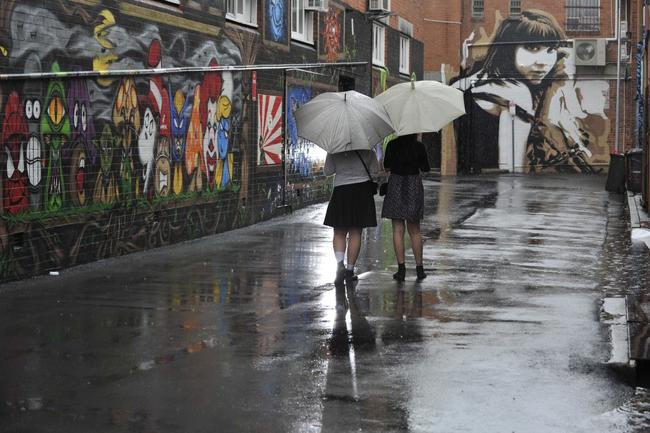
404,199
352,205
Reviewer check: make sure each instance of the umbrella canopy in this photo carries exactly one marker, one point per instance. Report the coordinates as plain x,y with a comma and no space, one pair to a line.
421,106
342,121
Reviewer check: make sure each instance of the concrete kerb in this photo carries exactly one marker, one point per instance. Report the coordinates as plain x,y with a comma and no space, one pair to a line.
625,324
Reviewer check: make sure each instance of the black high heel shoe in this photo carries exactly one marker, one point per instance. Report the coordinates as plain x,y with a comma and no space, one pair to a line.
400,275
420,273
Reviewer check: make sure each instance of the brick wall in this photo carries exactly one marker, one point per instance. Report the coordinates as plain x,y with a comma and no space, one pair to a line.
94,167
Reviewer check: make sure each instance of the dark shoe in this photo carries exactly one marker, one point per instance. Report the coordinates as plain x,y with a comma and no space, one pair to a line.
340,273
420,273
400,275
349,276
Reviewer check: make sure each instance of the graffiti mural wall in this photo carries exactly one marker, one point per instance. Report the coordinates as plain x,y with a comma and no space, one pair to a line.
528,110
98,167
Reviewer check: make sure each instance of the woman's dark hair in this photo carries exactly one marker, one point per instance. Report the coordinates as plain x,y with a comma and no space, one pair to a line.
532,27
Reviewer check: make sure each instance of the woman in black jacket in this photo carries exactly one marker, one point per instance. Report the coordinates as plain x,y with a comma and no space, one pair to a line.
405,158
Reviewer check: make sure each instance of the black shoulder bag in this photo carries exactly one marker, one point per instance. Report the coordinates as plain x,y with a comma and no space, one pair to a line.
373,184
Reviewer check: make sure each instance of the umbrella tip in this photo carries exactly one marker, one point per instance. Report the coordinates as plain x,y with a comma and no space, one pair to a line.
345,96
413,80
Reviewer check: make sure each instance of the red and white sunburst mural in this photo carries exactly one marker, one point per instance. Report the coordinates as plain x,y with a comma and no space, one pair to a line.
269,126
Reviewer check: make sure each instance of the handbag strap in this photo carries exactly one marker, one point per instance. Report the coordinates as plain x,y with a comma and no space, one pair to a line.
364,165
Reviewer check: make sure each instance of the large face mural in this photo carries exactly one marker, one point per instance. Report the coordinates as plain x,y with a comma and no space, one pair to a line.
529,111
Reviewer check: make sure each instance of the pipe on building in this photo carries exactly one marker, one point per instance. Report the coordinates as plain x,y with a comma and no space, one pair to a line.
618,78
169,71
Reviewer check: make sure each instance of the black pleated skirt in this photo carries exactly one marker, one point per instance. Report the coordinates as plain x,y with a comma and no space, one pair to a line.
352,205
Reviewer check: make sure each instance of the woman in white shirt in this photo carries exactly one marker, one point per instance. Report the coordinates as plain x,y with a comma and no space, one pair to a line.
352,205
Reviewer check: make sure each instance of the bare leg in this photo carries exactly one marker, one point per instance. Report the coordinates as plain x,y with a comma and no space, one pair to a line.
398,240
354,245
416,243
413,228
340,235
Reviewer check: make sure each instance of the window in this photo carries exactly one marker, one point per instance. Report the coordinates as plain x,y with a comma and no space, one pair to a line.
302,22
404,55
515,7
243,11
378,44
582,15
406,28
477,8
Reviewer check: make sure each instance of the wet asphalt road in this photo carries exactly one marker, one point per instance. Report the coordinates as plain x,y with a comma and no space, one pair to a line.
244,332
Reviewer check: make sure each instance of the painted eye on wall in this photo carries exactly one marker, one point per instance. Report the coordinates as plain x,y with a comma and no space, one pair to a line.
29,109
75,116
55,110
37,109
84,118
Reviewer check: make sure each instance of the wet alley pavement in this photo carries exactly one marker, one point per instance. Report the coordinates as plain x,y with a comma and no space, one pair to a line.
244,331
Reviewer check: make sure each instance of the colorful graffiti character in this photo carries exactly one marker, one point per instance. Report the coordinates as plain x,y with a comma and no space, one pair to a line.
14,138
155,137
106,191
55,128
181,111
210,92
194,164
84,152
126,119
33,111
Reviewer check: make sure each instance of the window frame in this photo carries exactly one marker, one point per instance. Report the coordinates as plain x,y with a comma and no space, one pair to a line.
579,20
404,55
478,8
306,33
248,16
378,46
515,7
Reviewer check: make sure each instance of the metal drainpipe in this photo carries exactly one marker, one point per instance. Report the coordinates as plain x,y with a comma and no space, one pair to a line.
284,138
618,77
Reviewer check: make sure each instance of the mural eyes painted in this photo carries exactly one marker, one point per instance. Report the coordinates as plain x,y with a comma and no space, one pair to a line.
32,109
55,110
75,117
84,118
29,110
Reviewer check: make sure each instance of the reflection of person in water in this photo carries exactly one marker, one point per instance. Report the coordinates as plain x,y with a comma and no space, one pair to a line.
512,90
348,339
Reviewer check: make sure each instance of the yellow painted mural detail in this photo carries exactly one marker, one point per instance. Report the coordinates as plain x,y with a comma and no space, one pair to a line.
102,62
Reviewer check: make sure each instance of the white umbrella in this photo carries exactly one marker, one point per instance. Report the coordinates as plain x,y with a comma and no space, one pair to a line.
421,106
342,121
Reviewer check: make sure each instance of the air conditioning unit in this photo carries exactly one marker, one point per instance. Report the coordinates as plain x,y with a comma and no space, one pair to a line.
379,5
317,5
590,51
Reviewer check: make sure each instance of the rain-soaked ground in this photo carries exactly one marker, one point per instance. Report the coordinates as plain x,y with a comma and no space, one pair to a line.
244,332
